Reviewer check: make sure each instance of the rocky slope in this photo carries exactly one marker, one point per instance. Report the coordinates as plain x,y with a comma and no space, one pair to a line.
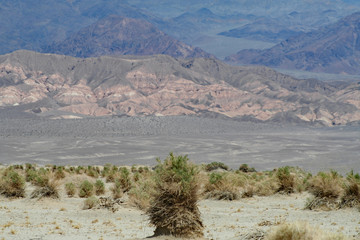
115,35
62,86
332,49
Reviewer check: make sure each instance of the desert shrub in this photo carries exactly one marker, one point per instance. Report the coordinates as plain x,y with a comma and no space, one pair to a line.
266,186
300,231
245,168
99,187
50,189
70,189
174,207
86,189
326,189
117,190
90,202
286,180
30,175
221,187
42,178
216,165
124,179
141,193
12,184
59,173
92,172
351,193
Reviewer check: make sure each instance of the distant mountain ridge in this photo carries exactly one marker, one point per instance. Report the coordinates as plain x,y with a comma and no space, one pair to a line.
115,35
58,86
333,49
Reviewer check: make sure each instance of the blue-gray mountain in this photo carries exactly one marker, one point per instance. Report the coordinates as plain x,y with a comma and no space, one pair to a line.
334,48
116,35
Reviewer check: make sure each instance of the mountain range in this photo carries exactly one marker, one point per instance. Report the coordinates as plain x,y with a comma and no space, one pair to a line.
334,48
58,86
115,35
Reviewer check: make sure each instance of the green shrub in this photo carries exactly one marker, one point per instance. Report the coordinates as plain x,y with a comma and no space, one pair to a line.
12,184
99,187
70,189
174,207
86,189
245,168
216,165
117,190
286,180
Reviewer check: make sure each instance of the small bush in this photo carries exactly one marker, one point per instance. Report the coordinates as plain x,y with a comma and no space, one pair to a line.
99,187
300,231
220,187
245,168
124,179
12,184
117,190
174,208
49,190
90,202
216,165
86,189
70,189
326,188
351,194
59,173
286,180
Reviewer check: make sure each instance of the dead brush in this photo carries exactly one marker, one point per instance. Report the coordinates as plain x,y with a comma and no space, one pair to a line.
174,209
221,187
326,189
351,195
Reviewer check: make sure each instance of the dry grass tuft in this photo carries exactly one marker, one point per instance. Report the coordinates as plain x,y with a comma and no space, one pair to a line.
326,188
50,189
300,231
174,210
90,202
351,195
222,186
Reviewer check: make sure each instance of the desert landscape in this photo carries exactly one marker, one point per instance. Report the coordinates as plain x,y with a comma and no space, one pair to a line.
180,119
137,142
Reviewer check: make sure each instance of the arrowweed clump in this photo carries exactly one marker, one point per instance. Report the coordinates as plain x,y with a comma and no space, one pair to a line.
174,209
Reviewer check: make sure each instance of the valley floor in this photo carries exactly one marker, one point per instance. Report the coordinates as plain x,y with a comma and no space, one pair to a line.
64,219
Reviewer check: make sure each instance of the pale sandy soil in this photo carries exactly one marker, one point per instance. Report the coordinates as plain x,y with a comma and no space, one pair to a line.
65,219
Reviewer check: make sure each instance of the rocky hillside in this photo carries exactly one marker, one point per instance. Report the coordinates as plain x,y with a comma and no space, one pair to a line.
117,35
57,86
332,49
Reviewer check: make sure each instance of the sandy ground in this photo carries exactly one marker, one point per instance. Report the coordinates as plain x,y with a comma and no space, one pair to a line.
65,219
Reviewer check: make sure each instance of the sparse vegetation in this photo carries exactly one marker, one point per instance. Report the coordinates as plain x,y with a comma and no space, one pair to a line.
90,202
221,187
300,231
50,189
174,207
